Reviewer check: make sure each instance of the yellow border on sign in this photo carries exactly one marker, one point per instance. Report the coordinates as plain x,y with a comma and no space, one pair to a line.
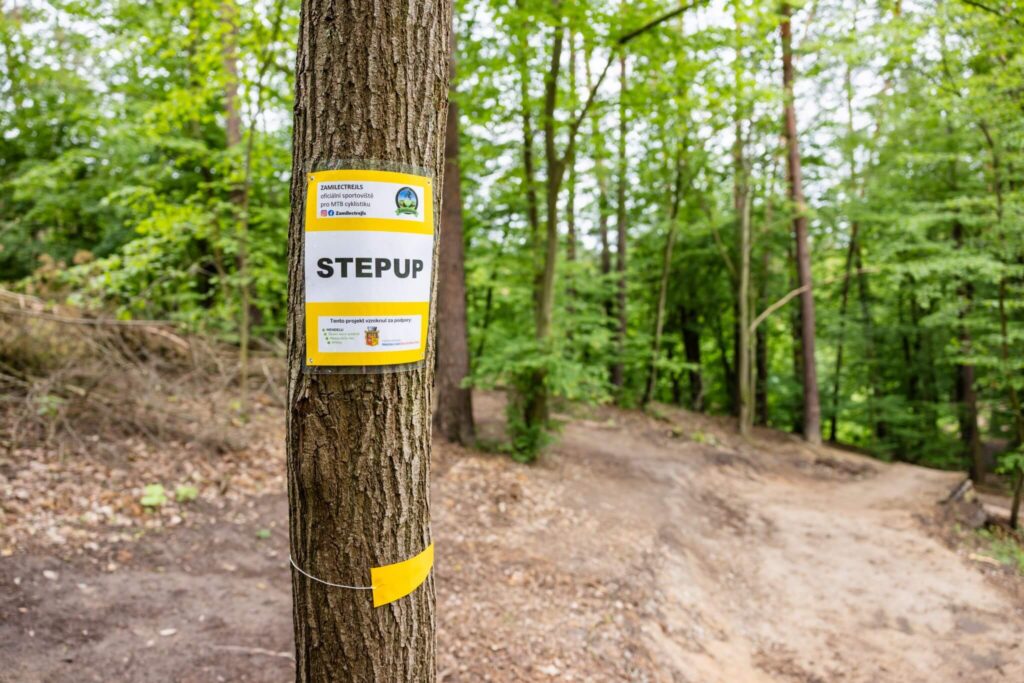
315,223
315,358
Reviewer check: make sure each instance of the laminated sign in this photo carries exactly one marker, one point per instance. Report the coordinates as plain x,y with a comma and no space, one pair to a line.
369,249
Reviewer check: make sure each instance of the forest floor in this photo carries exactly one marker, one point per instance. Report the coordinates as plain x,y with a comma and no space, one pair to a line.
639,548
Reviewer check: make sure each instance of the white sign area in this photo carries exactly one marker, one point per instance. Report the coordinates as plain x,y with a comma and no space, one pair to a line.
365,266
340,199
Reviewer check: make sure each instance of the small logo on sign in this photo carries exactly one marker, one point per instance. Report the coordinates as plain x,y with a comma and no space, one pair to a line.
323,212
330,212
407,201
372,336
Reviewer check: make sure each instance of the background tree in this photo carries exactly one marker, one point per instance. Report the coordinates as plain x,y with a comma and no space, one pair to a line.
453,406
122,173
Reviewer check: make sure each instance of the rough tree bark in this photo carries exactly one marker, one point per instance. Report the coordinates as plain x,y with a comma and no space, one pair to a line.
371,83
453,407
812,404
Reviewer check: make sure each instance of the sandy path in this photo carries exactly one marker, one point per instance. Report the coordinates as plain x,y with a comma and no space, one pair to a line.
776,563
635,550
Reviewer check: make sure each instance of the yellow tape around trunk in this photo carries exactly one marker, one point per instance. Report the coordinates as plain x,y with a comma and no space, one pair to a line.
394,581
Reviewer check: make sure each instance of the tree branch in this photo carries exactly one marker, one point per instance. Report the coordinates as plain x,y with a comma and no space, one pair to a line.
625,38
620,42
800,290
992,10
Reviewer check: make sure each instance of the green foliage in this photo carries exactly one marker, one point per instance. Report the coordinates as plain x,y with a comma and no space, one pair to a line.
184,493
153,496
48,405
124,188
117,169
1005,548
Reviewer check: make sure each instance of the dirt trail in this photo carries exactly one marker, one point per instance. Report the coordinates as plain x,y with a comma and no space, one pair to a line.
637,549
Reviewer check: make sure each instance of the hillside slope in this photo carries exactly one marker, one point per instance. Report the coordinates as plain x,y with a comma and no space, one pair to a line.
637,549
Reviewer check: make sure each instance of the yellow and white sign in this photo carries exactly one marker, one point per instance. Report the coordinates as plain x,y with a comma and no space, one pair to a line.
369,251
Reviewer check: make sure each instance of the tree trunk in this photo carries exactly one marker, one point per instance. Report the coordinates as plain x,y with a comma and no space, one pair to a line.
453,407
666,269
812,405
761,376
728,369
844,301
239,194
761,333
529,180
966,394
880,429
691,348
602,220
601,177
795,327
570,185
371,83
762,300
618,367
741,201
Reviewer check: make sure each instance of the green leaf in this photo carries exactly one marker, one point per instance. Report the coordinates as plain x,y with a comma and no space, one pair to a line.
185,493
153,496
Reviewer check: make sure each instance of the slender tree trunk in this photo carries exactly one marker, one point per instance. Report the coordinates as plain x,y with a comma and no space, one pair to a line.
529,176
1018,496
453,409
880,430
966,394
489,297
536,404
852,250
570,184
798,360
844,300
744,371
761,375
618,367
741,197
603,209
728,368
239,194
676,378
666,268
691,348
761,333
232,114
359,445
601,176
812,405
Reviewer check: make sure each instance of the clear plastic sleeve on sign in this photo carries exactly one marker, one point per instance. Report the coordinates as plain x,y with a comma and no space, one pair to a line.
368,250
